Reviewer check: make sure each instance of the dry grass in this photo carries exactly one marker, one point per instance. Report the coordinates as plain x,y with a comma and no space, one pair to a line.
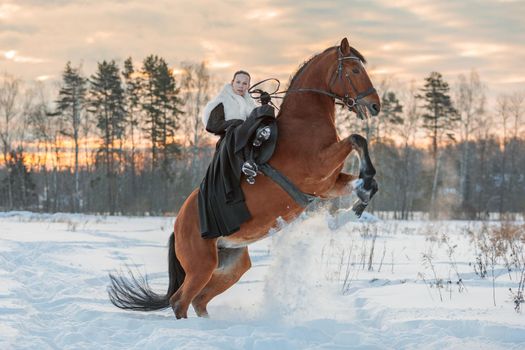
501,244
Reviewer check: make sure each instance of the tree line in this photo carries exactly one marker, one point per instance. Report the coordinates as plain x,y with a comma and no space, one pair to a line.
127,130
134,143
441,150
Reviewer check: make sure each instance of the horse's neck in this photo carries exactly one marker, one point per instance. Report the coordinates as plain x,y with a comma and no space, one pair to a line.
306,118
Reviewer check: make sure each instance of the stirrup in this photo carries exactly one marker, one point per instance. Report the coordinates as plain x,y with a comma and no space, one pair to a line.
262,135
249,168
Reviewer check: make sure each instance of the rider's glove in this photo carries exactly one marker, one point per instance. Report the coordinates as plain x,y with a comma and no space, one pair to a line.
265,98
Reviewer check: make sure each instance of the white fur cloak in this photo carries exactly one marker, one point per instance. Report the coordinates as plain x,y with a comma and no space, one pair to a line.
235,106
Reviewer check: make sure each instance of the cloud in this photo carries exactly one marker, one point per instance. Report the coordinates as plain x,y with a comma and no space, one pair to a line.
98,36
426,59
13,55
480,49
442,13
44,77
8,11
264,14
404,38
514,79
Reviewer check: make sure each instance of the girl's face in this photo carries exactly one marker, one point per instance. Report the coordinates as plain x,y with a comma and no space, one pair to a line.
240,84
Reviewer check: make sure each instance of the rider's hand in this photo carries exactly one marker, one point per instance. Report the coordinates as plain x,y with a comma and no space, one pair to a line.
265,98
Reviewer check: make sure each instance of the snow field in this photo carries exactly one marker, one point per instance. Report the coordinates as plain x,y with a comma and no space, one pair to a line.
310,287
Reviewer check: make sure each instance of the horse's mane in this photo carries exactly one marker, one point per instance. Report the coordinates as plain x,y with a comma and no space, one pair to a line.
303,65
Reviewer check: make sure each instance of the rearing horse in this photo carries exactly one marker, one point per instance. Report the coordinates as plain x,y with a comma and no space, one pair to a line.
308,152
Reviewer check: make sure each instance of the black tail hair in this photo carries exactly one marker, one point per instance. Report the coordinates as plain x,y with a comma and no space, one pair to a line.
134,293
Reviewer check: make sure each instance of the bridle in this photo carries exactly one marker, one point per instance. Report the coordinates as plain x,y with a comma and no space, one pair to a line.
346,100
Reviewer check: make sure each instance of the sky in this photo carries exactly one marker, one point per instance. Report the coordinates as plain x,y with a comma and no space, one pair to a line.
402,40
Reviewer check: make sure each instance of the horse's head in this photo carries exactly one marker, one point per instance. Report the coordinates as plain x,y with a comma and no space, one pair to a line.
350,82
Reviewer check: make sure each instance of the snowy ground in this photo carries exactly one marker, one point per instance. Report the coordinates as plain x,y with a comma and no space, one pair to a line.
309,288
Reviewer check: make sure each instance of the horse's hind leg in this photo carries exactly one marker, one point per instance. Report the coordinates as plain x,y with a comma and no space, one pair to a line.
233,263
198,273
197,256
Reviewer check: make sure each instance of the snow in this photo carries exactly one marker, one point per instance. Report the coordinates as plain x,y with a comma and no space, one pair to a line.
309,287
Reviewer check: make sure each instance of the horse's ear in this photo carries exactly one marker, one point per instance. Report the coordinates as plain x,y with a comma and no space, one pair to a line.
345,46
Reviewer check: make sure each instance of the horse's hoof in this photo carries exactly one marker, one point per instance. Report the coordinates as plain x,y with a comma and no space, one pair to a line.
178,312
359,207
200,307
203,314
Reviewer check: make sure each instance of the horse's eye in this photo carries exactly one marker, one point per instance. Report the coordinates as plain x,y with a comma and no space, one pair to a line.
355,70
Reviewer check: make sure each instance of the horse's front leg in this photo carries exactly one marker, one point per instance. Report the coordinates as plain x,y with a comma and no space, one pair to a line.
331,161
365,185
333,156
344,185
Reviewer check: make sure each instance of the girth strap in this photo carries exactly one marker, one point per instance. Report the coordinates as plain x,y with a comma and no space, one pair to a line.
303,199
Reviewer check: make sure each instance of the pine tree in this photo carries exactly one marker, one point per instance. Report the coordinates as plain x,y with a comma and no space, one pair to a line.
151,105
391,110
132,93
19,181
161,105
71,105
106,101
440,117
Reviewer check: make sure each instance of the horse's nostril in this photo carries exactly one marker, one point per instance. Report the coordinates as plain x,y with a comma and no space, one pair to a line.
375,109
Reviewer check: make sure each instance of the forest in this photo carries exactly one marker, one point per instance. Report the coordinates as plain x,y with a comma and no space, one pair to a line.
127,140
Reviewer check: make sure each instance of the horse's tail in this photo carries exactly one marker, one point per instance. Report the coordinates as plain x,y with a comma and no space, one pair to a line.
134,293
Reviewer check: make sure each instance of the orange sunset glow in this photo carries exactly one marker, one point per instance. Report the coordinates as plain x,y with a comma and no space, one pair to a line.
403,40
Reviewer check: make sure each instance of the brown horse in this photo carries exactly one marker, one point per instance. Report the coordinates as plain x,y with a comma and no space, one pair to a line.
309,153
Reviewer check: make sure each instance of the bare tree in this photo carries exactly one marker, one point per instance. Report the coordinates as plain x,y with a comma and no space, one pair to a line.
470,104
503,106
9,94
195,90
516,111
40,126
408,131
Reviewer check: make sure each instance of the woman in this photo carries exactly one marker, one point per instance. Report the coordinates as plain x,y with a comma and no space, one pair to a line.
221,201
233,104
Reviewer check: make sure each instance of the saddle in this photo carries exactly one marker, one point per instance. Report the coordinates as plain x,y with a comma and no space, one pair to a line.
256,139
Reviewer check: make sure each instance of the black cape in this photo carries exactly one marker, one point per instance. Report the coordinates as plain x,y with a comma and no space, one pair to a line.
222,208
